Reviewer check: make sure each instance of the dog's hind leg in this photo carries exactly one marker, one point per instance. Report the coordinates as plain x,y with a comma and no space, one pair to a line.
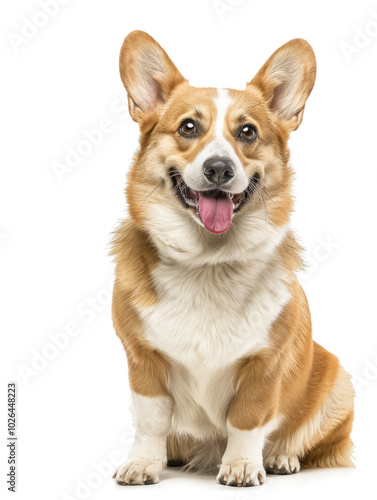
322,440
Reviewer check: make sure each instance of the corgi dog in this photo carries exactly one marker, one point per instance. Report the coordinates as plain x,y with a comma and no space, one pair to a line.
223,370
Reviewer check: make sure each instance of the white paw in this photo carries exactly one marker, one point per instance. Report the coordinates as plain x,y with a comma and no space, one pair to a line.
241,473
282,465
139,471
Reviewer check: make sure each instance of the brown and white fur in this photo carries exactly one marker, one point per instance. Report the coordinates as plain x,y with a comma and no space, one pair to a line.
222,366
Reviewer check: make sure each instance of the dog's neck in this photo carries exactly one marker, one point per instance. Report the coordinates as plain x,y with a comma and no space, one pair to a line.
194,246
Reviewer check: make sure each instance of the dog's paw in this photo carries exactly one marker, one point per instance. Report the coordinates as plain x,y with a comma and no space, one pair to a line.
282,465
241,473
139,471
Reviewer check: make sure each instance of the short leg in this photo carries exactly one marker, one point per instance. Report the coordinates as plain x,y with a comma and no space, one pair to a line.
152,404
147,458
282,464
250,420
242,463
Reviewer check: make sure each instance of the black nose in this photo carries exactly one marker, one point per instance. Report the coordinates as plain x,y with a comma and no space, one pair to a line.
218,169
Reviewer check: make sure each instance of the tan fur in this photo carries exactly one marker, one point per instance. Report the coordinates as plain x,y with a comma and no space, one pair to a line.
147,368
294,377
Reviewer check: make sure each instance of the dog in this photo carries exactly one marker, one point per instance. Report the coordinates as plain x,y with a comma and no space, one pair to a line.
223,370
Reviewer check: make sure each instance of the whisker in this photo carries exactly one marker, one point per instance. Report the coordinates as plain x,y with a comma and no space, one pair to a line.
174,173
266,214
159,185
265,192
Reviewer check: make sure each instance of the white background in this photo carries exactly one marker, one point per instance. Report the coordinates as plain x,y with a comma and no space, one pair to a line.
73,409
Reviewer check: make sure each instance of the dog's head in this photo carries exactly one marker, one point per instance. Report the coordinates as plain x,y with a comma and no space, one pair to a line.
212,161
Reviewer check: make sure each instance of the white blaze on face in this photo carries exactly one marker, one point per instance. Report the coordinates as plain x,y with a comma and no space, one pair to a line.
193,174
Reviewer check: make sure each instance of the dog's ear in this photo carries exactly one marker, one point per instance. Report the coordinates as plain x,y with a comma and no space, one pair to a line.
286,80
148,74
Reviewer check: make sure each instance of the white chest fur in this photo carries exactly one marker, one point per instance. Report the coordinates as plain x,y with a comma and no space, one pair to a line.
205,320
213,315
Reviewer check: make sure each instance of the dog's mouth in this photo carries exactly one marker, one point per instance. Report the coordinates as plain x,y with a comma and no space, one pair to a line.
215,207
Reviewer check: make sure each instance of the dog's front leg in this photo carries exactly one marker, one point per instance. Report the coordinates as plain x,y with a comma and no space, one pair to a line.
242,462
249,421
147,458
152,404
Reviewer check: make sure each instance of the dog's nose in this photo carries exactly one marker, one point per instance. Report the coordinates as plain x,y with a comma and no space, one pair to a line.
219,169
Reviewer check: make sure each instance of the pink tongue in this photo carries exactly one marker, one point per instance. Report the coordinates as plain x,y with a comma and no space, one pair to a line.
216,213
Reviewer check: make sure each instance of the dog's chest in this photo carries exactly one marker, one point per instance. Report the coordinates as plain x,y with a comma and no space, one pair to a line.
214,314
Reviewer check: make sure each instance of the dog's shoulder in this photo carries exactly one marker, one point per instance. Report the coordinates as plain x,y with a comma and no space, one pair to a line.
135,258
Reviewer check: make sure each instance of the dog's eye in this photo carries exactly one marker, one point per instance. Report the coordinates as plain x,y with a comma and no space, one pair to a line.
248,132
188,128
